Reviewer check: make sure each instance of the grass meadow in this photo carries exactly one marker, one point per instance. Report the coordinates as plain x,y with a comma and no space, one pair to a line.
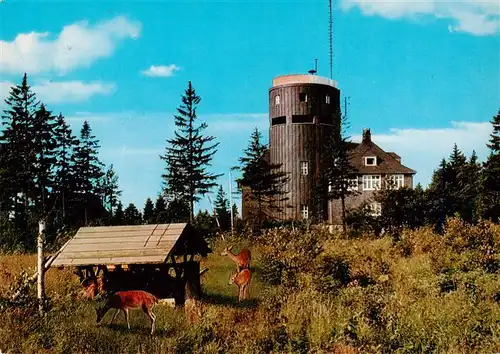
311,292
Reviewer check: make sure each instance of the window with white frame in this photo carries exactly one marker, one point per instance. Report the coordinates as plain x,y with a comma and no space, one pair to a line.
371,182
370,160
327,99
376,209
303,97
304,168
304,211
396,181
277,100
353,185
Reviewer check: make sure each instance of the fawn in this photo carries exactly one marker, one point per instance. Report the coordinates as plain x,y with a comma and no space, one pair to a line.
131,299
242,281
241,259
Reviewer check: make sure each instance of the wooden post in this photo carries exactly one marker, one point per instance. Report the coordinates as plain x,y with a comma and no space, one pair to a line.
41,270
231,202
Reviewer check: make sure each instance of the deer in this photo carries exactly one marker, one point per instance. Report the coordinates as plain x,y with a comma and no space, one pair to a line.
129,299
90,289
241,259
242,281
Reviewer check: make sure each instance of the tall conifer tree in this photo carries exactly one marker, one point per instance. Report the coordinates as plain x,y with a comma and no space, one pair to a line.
264,180
16,139
66,143
188,155
490,177
221,208
87,172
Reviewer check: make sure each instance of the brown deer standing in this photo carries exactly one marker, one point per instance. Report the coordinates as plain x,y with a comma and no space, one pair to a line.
131,299
241,259
242,281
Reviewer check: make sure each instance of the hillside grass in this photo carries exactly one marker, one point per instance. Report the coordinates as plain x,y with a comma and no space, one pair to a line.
422,293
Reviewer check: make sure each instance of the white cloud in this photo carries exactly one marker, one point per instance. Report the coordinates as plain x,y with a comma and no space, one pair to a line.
237,122
63,91
77,45
161,70
423,149
79,117
477,17
71,91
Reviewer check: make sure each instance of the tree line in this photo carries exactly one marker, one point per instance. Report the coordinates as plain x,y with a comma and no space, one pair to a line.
46,171
460,186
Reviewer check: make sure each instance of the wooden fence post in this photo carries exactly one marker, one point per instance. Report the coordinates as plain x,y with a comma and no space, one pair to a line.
40,266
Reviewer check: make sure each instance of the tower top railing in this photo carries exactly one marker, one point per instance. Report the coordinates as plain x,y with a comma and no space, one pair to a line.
303,79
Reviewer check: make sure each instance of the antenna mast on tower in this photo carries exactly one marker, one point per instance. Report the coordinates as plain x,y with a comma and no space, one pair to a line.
331,39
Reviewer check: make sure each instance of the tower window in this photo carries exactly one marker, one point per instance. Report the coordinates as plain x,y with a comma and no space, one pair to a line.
303,97
304,168
327,99
304,211
278,120
302,119
277,100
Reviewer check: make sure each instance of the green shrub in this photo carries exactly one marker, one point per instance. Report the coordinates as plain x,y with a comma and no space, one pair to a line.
332,272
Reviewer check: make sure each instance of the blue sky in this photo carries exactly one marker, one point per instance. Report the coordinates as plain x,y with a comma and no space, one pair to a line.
422,75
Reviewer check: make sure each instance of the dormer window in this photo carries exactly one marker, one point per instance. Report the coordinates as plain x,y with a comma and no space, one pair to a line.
370,160
303,97
277,100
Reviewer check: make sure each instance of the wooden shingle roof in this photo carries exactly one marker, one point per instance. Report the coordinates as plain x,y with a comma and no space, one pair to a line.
133,244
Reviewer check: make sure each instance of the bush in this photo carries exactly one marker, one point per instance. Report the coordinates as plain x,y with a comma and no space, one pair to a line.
332,272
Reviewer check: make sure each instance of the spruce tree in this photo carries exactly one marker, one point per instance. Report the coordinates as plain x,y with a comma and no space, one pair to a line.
340,174
64,184
44,148
264,180
110,189
16,139
148,214
119,216
221,208
469,188
177,211
490,177
87,172
438,198
132,216
160,210
188,155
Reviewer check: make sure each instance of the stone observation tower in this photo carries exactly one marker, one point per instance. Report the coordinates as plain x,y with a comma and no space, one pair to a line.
303,111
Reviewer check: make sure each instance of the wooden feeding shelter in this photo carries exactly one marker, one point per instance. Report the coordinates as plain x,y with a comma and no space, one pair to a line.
162,258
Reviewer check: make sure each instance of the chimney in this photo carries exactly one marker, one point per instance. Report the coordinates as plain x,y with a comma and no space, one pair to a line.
367,136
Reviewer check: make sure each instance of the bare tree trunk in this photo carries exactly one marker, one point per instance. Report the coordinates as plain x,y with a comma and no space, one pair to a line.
40,267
